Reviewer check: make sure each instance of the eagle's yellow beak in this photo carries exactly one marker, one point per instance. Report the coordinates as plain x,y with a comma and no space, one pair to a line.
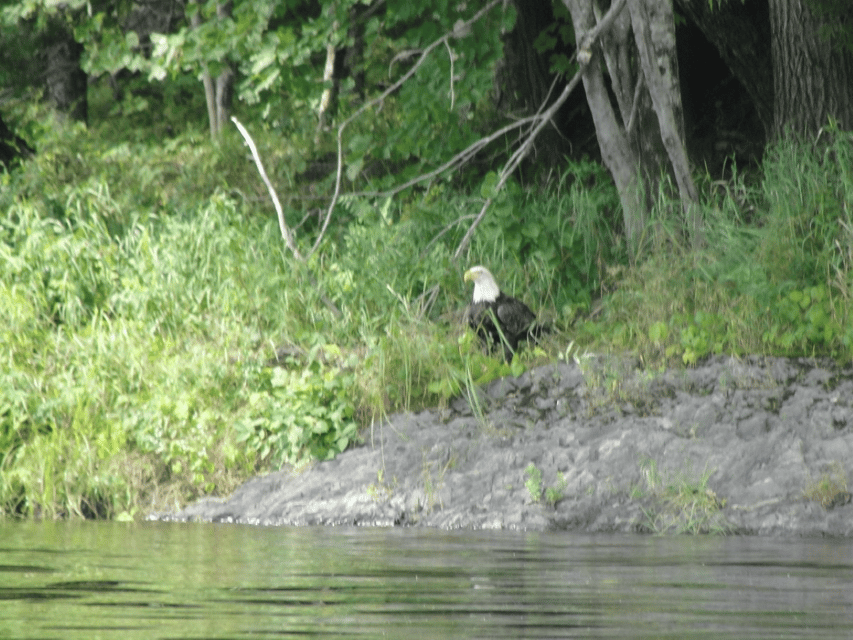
473,274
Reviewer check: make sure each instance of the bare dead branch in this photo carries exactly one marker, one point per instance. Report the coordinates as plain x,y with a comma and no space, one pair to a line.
457,161
282,224
629,127
405,54
459,28
516,159
452,91
446,229
585,48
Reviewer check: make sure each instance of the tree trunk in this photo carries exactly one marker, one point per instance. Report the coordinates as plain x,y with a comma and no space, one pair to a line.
616,151
66,81
219,91
643,142
328,86
740,31
812,79
654,32
523,80
224,97
635,105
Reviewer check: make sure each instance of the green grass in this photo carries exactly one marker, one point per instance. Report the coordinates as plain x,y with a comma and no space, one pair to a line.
145,288
538,491
773,278
678,502
830,489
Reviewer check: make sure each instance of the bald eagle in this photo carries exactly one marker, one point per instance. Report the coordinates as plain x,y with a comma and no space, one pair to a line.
515,321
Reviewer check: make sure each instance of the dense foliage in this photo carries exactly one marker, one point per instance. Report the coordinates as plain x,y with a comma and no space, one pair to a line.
143,302
160,342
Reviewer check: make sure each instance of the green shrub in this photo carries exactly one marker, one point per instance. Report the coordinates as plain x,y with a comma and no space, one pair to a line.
302,413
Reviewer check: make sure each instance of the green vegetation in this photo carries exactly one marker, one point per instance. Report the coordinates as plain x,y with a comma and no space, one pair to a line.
540,493
679,501
830,490
145,290
145,293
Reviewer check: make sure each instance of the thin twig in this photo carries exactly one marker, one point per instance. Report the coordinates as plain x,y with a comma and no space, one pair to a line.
424,55
458,160
515,160
593,34
452,92
446,229
634,105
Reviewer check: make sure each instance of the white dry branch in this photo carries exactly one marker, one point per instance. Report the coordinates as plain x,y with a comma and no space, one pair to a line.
286,233
282,223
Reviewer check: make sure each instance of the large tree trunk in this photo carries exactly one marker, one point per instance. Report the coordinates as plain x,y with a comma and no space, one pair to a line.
616,151
740,31
523,82
66,81
635,105
654,33
812,79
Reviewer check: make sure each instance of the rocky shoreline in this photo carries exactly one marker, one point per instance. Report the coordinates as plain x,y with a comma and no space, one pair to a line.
741,446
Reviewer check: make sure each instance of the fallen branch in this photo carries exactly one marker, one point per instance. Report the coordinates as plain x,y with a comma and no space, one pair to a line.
515,159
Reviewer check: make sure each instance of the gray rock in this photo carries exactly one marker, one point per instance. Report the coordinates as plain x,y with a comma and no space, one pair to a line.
752,446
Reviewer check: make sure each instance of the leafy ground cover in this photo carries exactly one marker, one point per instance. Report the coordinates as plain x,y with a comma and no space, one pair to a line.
145,294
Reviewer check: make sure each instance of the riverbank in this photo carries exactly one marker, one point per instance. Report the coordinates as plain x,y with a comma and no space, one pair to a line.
754,446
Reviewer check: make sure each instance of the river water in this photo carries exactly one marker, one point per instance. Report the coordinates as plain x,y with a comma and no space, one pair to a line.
158,580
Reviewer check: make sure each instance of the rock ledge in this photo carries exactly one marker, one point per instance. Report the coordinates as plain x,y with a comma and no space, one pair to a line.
753,446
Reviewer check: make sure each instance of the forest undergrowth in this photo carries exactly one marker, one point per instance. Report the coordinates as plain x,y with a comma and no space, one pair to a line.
159,342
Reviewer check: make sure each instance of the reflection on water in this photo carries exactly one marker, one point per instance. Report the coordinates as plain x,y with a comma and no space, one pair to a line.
158,580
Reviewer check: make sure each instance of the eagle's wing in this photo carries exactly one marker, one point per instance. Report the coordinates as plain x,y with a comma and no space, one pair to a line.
514,316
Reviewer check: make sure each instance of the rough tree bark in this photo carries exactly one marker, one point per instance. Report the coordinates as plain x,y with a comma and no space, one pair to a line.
642,72
740,31
616,151
523,80
654,33
813,80
634,103
328,73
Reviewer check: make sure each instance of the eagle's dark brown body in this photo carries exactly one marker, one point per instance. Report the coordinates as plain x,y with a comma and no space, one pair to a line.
515,321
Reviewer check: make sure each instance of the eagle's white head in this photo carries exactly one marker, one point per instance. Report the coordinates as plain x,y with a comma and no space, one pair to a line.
485,287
